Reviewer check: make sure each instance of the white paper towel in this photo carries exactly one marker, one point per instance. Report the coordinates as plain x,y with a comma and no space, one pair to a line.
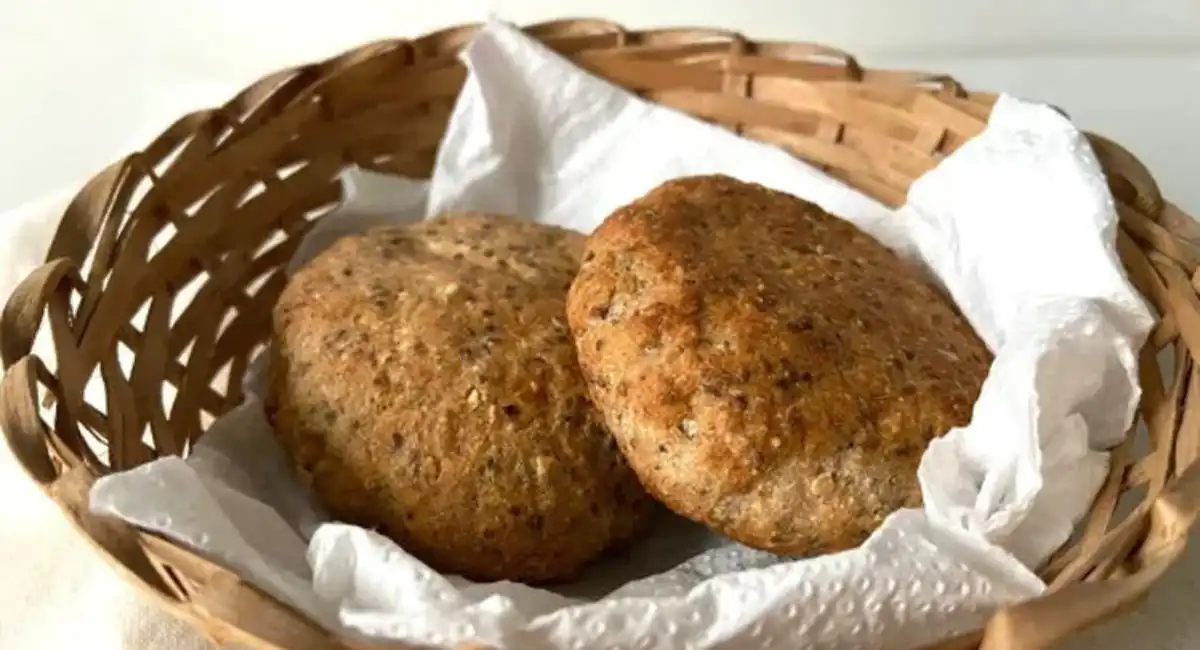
1017,224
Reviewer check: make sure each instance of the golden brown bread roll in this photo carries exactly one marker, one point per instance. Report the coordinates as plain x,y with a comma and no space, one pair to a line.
424,380
768,369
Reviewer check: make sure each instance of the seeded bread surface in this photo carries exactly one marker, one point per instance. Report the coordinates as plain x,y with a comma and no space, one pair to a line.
424,381
768,369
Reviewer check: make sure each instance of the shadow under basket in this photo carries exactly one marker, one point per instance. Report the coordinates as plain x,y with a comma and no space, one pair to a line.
169,261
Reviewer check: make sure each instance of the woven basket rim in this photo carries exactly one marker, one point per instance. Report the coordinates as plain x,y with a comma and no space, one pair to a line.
876,129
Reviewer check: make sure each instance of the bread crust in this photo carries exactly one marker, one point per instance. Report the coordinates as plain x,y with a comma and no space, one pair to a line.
424,381
768,369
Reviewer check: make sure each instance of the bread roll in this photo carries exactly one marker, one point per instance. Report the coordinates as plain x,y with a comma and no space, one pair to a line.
767,369
424,380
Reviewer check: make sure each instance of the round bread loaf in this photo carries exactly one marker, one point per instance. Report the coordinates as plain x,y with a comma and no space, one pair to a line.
768,369
424,381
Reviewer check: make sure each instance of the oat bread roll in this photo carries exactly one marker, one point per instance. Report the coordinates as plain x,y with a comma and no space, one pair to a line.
424,380
768,369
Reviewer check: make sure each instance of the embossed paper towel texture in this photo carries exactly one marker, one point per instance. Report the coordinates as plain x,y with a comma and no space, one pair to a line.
535,136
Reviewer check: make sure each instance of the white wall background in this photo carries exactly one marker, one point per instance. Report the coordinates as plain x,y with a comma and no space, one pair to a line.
82,80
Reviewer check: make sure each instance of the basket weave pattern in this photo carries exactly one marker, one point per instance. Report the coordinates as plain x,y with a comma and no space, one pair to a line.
172,258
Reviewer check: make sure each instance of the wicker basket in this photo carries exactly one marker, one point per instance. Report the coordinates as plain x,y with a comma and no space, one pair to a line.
216,205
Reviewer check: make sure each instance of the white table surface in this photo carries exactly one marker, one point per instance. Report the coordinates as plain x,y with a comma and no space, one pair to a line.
55,594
